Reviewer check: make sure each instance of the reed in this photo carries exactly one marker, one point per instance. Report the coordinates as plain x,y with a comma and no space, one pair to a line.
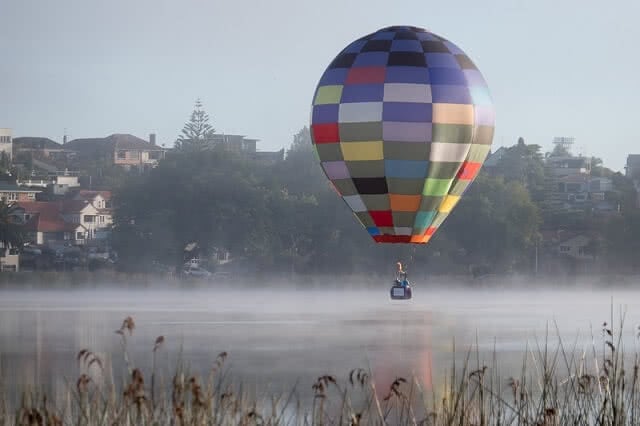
556,385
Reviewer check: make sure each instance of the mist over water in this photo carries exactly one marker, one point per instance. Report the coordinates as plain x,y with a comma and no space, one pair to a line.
277,337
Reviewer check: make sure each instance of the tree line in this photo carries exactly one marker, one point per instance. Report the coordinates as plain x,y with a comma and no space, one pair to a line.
286,216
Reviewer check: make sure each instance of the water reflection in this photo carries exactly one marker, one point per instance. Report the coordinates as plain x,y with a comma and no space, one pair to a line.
275,338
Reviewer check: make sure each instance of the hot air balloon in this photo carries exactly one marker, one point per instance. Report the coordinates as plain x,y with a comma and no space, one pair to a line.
401,121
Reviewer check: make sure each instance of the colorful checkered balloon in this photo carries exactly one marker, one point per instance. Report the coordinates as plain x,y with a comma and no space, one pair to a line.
402,121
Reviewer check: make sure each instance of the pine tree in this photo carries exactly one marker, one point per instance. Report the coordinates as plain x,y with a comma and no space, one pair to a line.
11,234
197,133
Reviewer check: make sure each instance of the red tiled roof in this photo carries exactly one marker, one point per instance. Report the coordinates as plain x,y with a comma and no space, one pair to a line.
47,215
114,142
38,223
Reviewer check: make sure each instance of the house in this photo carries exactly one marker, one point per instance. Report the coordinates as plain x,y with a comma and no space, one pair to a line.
42,147
44,223
76,221
568,165
11,192
576,247
63,182
123,150
10,262
600,184
58,183
235,143
101,201
269,157
571,244
575,186
632,169
6,142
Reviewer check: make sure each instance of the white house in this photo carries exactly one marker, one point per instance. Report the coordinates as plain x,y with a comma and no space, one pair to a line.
576,247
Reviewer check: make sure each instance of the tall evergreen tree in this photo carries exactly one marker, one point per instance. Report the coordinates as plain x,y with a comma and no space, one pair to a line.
11,233
197,133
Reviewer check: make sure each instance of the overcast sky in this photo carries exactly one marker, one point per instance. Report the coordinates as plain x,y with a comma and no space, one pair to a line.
92,67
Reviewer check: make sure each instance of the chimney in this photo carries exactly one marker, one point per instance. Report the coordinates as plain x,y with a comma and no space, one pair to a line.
152,138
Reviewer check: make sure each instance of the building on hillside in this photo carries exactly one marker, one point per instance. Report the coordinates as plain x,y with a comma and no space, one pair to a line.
566,166
269,157
235,143
569,244
9,260
58,183
124,150
10,192
632,169
63,182
101,201
6,142
74,221
44,223
41,147
576,247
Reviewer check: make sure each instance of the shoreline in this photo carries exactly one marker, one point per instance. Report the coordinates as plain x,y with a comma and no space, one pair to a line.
51,280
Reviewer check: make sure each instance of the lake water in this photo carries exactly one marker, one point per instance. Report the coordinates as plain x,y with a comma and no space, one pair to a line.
277,337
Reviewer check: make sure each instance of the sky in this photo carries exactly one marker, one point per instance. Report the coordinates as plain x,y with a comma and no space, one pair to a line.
91,68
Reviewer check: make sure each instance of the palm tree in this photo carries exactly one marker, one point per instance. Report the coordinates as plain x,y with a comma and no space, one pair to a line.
11,231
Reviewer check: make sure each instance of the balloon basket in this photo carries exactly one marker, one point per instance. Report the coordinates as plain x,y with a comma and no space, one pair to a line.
399,292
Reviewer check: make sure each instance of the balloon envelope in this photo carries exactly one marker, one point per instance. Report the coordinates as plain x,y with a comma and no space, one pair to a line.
402,121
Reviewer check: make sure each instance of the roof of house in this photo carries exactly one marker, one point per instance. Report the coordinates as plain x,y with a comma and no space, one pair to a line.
227,138
113,142
9,187
52,207
562,236
31,142
46,216
86,194
580,239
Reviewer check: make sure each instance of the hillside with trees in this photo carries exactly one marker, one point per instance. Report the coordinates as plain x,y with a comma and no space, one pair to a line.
285,217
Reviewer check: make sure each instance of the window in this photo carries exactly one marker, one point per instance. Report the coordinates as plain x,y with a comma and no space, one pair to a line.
88,219
79,236
564,249
122,155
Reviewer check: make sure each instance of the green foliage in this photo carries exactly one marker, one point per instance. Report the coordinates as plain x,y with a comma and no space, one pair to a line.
5,163
286,217
197,132
622,241
495,222
11,232
524,164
